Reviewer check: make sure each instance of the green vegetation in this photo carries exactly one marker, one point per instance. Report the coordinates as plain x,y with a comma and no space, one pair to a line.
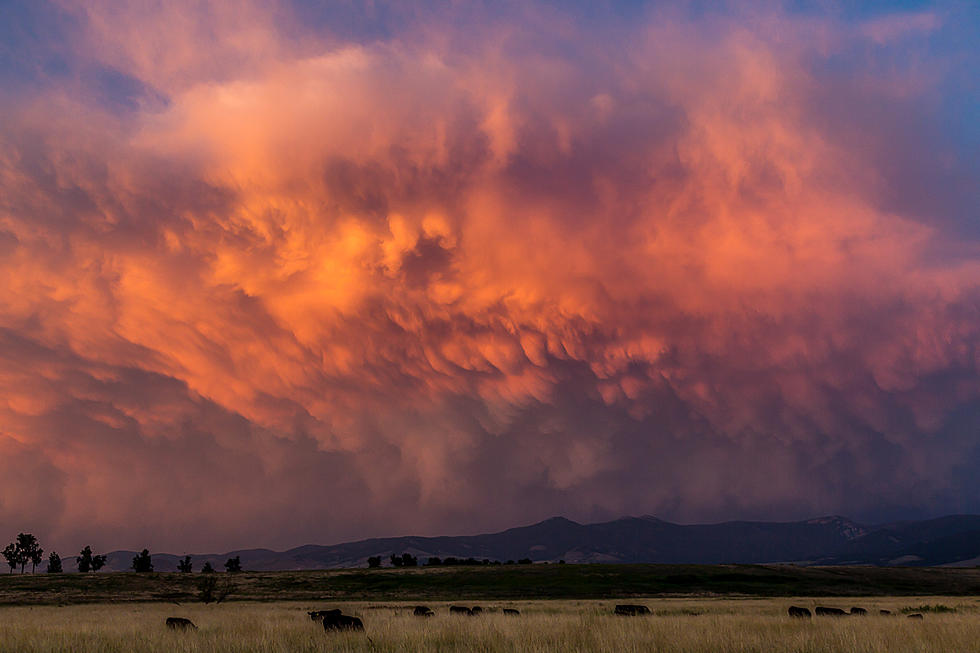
510,582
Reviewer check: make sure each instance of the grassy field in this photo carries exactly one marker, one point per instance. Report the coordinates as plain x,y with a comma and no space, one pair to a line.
497,583
683,625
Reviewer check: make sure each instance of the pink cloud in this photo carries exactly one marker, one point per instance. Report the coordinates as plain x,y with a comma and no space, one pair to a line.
330,290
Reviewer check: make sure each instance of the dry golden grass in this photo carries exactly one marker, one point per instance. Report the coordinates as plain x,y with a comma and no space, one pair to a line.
690,625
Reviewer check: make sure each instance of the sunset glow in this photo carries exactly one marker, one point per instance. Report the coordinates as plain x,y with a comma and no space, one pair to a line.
278,274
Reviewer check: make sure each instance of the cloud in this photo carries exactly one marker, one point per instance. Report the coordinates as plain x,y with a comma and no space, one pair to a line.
307,286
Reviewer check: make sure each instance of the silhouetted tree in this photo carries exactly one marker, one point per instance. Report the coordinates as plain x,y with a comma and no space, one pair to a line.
433,562
12,555
30,551
184,566
54,563
408,560
524,561
211,591
233,564
207,568
84,560
98,562
142,562
396,560
374,562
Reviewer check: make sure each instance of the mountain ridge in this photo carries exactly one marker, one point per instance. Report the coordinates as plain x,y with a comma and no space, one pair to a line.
828,540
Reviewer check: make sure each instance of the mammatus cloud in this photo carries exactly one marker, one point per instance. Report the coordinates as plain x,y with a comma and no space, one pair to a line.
271,283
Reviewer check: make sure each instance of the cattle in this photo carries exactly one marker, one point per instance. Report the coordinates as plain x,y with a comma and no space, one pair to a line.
858,611
632,610
475,610
423,611
342,622
802,613
830,612
459,609
318,615
884,612
180,623
512,612
915,616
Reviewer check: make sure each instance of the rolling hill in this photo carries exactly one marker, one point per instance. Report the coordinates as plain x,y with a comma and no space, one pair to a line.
950,541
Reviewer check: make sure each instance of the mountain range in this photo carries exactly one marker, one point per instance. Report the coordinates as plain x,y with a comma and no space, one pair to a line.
946,541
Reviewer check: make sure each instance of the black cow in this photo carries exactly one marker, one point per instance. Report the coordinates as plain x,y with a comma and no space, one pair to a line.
915,616
802,613
475,610
512,611
459,609
884,612
830,612
179,623
342,622
318,615
632,610
859,611
423,611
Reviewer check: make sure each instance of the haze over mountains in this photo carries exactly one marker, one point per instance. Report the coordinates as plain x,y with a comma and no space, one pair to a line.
952,540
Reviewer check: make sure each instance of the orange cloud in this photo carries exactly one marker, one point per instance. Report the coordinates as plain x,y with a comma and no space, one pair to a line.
409,274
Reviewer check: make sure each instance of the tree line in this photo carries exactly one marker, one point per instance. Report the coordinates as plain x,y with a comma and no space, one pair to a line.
27,549
408,560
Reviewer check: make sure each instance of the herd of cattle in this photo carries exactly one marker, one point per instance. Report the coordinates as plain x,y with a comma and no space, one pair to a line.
804,613
335,619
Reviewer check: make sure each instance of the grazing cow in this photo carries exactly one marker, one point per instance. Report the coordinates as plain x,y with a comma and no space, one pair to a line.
632,610
423,611
830,612
459,609
858,611
342,622
318,615
802,613
179,623
512,611
915,616
475,610
884,612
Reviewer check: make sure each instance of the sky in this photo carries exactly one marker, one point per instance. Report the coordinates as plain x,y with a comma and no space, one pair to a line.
278,273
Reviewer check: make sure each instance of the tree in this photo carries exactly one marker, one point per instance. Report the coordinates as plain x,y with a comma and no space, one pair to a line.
374,562
142,563
98,562
30,551
433,562
211,591
207,568
408,560
12,554
54,563
396,560
233,564
185,566
85,560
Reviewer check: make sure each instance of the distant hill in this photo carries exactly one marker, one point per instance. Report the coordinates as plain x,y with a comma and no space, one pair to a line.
951,541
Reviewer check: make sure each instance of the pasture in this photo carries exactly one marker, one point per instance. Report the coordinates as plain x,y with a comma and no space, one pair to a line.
695,625
498,583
